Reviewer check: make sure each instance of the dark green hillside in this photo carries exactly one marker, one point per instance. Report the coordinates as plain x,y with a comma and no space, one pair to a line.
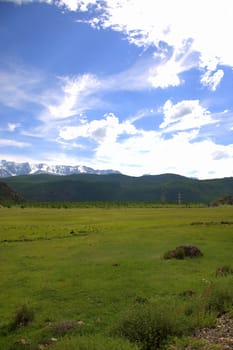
166,188
8,195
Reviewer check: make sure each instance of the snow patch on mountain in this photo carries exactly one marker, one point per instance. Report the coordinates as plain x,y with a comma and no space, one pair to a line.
8,168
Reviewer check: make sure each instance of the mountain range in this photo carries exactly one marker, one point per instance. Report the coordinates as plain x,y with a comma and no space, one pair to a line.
165,188
8,168
41,182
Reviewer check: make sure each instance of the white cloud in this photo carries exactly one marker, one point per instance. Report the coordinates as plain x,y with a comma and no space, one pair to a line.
75,5
70,5
205,25
21,2
148,152
133,151
12,126
13,143
184,115
212,80
105,130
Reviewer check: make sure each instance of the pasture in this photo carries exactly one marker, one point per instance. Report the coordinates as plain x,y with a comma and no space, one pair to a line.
87,266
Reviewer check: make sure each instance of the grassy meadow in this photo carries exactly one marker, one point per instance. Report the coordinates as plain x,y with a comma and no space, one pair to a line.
81,269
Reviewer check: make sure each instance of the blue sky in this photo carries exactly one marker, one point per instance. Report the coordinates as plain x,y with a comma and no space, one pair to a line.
143,87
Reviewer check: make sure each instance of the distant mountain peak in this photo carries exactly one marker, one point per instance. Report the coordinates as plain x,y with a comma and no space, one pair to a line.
9,168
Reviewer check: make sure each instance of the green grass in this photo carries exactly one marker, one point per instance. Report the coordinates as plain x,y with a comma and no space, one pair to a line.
93,264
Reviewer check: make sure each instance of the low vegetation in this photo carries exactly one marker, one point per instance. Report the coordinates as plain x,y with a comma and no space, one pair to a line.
93,278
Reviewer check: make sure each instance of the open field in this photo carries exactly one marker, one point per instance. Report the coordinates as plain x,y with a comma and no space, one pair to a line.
89,265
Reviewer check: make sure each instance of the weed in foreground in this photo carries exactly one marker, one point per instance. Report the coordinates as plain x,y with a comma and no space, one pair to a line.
224,270
22,344
62,328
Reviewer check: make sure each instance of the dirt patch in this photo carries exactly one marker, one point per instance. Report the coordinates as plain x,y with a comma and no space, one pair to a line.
221,334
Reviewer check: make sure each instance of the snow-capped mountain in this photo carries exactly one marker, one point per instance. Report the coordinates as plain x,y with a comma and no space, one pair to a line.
15,169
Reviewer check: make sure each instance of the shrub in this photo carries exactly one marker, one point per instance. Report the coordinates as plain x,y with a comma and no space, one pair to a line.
182,252
23,317
150,326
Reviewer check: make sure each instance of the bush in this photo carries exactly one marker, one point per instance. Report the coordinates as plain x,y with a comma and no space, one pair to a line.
23,317
150,326
180,253
183,251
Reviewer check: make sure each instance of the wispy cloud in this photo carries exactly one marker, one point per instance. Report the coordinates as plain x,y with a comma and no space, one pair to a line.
73,97
13,143
18,86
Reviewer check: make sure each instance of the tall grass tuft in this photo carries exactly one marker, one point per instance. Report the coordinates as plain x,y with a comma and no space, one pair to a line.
218,296
23,317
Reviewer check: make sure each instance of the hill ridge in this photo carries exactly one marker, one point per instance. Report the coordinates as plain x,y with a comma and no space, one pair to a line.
165,188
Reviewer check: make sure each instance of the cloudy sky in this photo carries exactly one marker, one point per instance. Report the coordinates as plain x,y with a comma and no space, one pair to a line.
143,87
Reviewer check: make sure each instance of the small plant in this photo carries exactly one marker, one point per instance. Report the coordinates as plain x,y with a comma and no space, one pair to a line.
187,293
224,271
21,344
141,300
23,317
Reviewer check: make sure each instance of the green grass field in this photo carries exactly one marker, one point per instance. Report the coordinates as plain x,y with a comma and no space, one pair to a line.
90,265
